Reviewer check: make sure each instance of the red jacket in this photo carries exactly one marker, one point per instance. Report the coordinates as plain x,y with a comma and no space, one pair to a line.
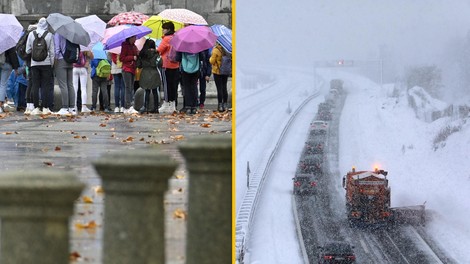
128,52
164,49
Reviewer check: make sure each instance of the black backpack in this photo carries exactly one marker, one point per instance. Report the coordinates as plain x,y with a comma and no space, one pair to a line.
21,46
40,50
72,52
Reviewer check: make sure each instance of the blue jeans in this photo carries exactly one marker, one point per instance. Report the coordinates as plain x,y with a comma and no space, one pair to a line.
119,90
5,72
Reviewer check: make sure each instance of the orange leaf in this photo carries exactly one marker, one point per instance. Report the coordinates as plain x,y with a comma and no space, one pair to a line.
206,125
98,189
129,139
102,125
90,225
131,120
87,199
179,213
74,256
57,148
178,137
142,139
77,136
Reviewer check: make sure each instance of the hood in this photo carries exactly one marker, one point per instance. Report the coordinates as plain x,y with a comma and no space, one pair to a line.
42,26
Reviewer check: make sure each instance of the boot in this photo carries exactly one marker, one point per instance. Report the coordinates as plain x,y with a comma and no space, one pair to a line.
219,107
224,106
145,106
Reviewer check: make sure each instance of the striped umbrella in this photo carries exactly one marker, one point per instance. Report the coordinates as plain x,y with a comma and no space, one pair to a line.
224,36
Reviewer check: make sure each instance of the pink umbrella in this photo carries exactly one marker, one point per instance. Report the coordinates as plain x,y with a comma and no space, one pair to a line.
182,15
128,18
193,39
109,32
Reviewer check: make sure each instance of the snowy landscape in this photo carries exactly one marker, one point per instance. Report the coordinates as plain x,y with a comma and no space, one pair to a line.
383,123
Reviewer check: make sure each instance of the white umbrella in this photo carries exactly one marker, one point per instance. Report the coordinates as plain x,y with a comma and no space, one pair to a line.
95,28
10,31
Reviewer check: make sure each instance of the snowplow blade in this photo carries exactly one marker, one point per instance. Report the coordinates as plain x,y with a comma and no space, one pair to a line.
414,215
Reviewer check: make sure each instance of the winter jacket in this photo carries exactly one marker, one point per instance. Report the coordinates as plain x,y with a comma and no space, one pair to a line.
128,51
205,67
164,50
150,76
216,59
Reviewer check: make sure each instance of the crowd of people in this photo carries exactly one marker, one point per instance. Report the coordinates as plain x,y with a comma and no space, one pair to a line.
29,82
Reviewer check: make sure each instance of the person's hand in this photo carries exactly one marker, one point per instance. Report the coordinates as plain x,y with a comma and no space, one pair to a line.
207,79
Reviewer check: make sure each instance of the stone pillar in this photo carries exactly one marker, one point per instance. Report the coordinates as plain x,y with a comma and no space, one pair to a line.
35,207
209,235
134,183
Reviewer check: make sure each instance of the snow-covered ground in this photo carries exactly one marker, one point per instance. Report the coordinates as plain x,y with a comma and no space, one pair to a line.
376,129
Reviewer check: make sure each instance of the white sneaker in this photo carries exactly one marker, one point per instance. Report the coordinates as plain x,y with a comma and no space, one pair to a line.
85,109
62,111
27,111
116,110
172,107
73,111
46,111
165,107
122,109
130,111
36,111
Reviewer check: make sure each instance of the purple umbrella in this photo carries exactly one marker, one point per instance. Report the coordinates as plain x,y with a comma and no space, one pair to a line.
193,39
117,39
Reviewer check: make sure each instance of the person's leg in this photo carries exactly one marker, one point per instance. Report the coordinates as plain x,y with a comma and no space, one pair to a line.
94,92
193,91
104,93
76,82
47,85
21,97
156,100
4,75
218,85
35,83
83,87
70,91
129,88
61,76
117,83
202,90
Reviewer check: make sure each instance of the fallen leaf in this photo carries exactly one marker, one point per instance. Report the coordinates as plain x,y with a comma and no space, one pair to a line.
74,256
142,139
7,133
77,136
87,199
98,189
179,213
177,137
131,120
48,163
206,125
102,125
84,137
57,148
90,225
179,176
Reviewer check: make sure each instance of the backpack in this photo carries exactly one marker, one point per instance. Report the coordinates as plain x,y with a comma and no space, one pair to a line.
173,55
81,60
21,46
226,65
103,69
72,52
190,62
40,50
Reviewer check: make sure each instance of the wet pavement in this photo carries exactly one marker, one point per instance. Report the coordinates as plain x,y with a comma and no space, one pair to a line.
72,143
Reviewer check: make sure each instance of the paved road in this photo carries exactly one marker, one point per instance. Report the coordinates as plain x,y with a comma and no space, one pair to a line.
72,143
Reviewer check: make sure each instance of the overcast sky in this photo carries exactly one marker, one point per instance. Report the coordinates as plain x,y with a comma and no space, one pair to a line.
301,31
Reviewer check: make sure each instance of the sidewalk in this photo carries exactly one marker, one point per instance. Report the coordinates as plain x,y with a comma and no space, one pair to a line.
30,142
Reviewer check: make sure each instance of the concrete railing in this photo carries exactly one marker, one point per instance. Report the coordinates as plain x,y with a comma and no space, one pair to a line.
35,207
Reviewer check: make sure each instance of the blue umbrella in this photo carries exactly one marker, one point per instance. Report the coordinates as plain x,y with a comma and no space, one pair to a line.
98,51
224,36
117,39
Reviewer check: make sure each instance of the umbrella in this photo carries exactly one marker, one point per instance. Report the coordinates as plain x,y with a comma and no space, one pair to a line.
117,39
95,28
68,28
224,36
128,18
10,31
98,51
182,15
193,39
155,23
109,32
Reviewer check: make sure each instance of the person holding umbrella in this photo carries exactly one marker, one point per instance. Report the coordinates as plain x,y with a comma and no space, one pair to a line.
64,74
128,57
171,73
41,70
220,79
